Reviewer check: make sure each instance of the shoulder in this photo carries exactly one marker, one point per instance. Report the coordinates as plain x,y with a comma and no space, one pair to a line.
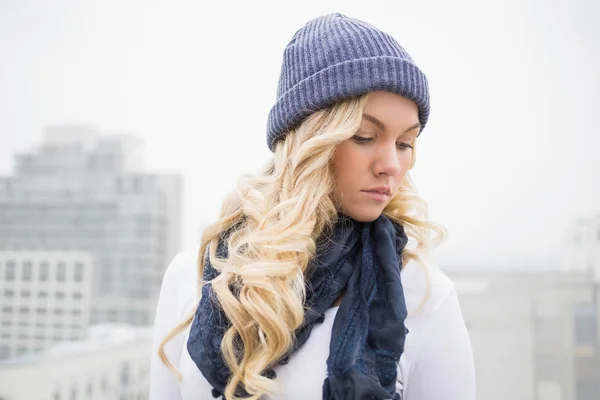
435,321
425,288
181,278
183,263
438,347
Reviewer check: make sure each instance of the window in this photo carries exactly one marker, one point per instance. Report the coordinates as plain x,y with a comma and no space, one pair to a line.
143,319
586,369
78,272
44,271
41,311
26,271
587,390
9,272
131,316
8,293
125,374
549,390
25,294
586,324
42,294
103,385
24,310
61,271
77,295
59,295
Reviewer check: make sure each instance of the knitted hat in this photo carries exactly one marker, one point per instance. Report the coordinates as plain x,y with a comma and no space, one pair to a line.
333,57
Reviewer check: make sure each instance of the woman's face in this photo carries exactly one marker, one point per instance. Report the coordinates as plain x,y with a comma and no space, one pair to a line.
369,167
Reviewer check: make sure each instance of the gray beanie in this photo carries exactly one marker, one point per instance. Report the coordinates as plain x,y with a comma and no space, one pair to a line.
333,57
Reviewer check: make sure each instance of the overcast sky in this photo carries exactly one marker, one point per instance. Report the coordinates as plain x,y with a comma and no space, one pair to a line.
508,160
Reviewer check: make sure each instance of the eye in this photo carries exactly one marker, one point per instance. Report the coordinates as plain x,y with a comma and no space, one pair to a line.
403,146
361,140
364,140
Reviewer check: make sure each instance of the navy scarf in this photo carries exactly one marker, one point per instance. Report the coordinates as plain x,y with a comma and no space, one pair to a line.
368,333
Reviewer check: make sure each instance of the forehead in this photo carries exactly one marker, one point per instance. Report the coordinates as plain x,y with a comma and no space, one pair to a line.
392,107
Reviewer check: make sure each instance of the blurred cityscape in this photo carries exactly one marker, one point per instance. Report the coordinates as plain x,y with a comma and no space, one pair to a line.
85,237
86,234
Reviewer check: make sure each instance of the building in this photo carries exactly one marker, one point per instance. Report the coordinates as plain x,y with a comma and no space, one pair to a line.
535,334
80,191
45,299
582,246
112,364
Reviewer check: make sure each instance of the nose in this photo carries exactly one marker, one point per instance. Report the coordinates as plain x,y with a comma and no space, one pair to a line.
387,161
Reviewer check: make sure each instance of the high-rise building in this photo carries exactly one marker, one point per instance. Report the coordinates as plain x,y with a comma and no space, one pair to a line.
44,299
81,191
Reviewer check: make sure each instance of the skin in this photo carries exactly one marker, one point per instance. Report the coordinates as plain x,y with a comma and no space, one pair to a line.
375,155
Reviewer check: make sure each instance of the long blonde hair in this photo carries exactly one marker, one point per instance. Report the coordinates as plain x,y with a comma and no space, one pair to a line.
278,215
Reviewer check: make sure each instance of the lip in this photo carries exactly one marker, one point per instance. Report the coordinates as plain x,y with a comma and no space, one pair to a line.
380,189
376,195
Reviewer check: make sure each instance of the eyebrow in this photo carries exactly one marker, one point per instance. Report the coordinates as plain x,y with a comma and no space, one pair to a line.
381,125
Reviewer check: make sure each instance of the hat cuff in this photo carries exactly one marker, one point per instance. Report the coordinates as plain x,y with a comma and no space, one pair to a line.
343,80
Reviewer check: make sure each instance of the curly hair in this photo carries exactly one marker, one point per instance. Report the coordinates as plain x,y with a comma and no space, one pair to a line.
277,216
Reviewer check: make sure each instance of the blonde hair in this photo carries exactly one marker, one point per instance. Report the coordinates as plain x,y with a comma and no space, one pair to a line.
278,216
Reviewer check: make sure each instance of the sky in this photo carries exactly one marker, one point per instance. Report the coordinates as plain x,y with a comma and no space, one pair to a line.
508,160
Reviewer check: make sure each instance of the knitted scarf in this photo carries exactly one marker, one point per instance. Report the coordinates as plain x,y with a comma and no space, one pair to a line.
368,333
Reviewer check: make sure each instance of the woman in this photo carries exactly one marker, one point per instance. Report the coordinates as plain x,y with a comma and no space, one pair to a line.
317,282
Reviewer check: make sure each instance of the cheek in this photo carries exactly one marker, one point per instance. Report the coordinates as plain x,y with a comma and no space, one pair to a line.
404,168
405,162
346,170
343,162
344,177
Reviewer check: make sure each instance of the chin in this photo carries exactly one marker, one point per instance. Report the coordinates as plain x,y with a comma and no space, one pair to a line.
364,214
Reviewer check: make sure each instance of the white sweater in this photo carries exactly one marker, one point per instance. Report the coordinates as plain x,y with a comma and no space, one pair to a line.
437,363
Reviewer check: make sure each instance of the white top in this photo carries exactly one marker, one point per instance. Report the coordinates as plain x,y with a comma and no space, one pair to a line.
437,363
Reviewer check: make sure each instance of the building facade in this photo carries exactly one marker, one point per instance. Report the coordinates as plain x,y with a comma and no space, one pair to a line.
80,191
534,334
581,250
112,364
45,298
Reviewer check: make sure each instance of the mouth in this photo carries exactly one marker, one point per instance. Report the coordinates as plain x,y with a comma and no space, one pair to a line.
379,196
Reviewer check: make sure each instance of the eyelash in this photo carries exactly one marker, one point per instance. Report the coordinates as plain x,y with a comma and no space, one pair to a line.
363,140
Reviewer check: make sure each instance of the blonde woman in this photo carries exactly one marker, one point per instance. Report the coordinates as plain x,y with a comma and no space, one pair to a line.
317,280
